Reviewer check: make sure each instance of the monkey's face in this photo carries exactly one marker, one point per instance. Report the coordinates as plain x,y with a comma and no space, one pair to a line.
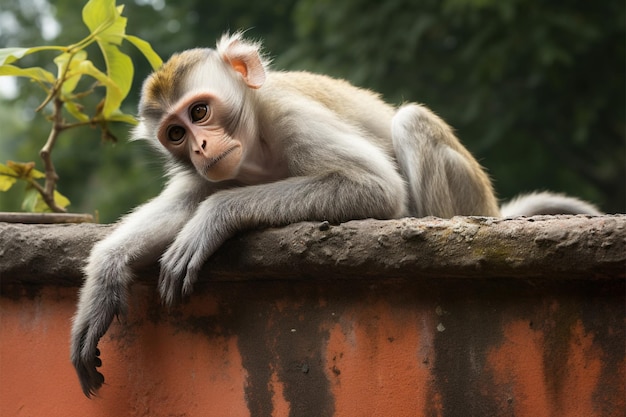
195,131
199,105
195,106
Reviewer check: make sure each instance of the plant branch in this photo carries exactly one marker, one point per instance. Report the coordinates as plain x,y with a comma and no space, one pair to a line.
45,154
56,87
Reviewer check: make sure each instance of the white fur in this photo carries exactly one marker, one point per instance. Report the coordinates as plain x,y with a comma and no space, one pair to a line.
547,203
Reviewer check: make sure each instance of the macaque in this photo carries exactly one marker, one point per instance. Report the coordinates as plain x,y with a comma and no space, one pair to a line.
247,147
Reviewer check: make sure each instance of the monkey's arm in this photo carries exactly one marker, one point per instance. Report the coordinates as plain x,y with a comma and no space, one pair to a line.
340,179
140,238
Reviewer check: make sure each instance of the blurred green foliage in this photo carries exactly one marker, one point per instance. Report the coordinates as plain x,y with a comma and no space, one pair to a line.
107,29
536,90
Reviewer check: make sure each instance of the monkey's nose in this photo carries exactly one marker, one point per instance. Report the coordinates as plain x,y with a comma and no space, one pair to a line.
202,147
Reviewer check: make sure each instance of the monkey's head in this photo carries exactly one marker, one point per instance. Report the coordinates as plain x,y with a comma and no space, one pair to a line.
198,106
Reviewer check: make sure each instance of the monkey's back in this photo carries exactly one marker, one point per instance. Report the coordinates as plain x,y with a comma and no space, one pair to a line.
358,106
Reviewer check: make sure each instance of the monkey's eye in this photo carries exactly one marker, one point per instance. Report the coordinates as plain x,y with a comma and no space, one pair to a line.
175,133
199,112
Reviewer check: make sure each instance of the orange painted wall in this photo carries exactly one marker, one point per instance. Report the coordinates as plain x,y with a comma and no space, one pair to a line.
301,348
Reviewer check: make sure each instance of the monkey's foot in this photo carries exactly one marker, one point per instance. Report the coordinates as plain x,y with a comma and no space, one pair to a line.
90,379
96,311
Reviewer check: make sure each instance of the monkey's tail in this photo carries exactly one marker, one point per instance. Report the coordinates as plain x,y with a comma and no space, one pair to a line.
546,202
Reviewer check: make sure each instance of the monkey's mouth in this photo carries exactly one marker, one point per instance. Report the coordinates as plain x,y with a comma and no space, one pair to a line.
217,159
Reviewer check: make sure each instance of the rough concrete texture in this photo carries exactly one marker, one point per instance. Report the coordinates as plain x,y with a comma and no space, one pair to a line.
561,246
405,318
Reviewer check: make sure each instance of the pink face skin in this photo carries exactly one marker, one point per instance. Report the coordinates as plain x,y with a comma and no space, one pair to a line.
194,130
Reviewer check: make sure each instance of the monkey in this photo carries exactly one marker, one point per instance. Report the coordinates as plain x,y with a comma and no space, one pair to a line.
248,147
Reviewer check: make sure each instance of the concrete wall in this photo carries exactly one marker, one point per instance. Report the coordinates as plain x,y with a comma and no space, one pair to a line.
347,320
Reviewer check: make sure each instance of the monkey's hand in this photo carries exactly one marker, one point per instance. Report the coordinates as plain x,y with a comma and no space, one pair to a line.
195,243
101,299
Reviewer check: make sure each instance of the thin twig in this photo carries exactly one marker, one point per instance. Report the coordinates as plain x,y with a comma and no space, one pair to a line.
45,154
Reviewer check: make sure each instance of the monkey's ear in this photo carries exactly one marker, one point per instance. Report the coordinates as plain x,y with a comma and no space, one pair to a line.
244,58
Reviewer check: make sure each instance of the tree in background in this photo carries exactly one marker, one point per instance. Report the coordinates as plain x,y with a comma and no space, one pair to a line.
535,89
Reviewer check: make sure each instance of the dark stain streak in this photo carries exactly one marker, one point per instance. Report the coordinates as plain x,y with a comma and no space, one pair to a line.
301,364
474,323
282,331
276,333
460,354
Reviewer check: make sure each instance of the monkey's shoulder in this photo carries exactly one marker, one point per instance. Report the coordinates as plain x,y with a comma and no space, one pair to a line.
336,94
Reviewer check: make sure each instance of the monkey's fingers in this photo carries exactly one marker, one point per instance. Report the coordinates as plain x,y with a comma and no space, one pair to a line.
98,361
86,361
170,287
193,271
90,379
188,285
173,269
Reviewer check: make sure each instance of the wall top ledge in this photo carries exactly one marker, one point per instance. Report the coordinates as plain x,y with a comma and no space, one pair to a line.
555,247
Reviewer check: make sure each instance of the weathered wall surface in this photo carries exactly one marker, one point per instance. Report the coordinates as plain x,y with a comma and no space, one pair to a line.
460,317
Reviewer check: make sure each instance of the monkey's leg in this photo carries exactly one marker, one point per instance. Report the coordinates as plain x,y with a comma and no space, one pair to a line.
443,178
140,238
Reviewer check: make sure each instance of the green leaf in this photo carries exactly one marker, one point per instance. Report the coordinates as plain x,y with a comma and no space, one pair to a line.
74,109
40,205
66,64
108,28
8,177
98,14
34,73
10,55
7,170
36,174
30,199
61,200
118,116
146,49
120,70
88,68
105,22
115,33
25,170
34,202
6,182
